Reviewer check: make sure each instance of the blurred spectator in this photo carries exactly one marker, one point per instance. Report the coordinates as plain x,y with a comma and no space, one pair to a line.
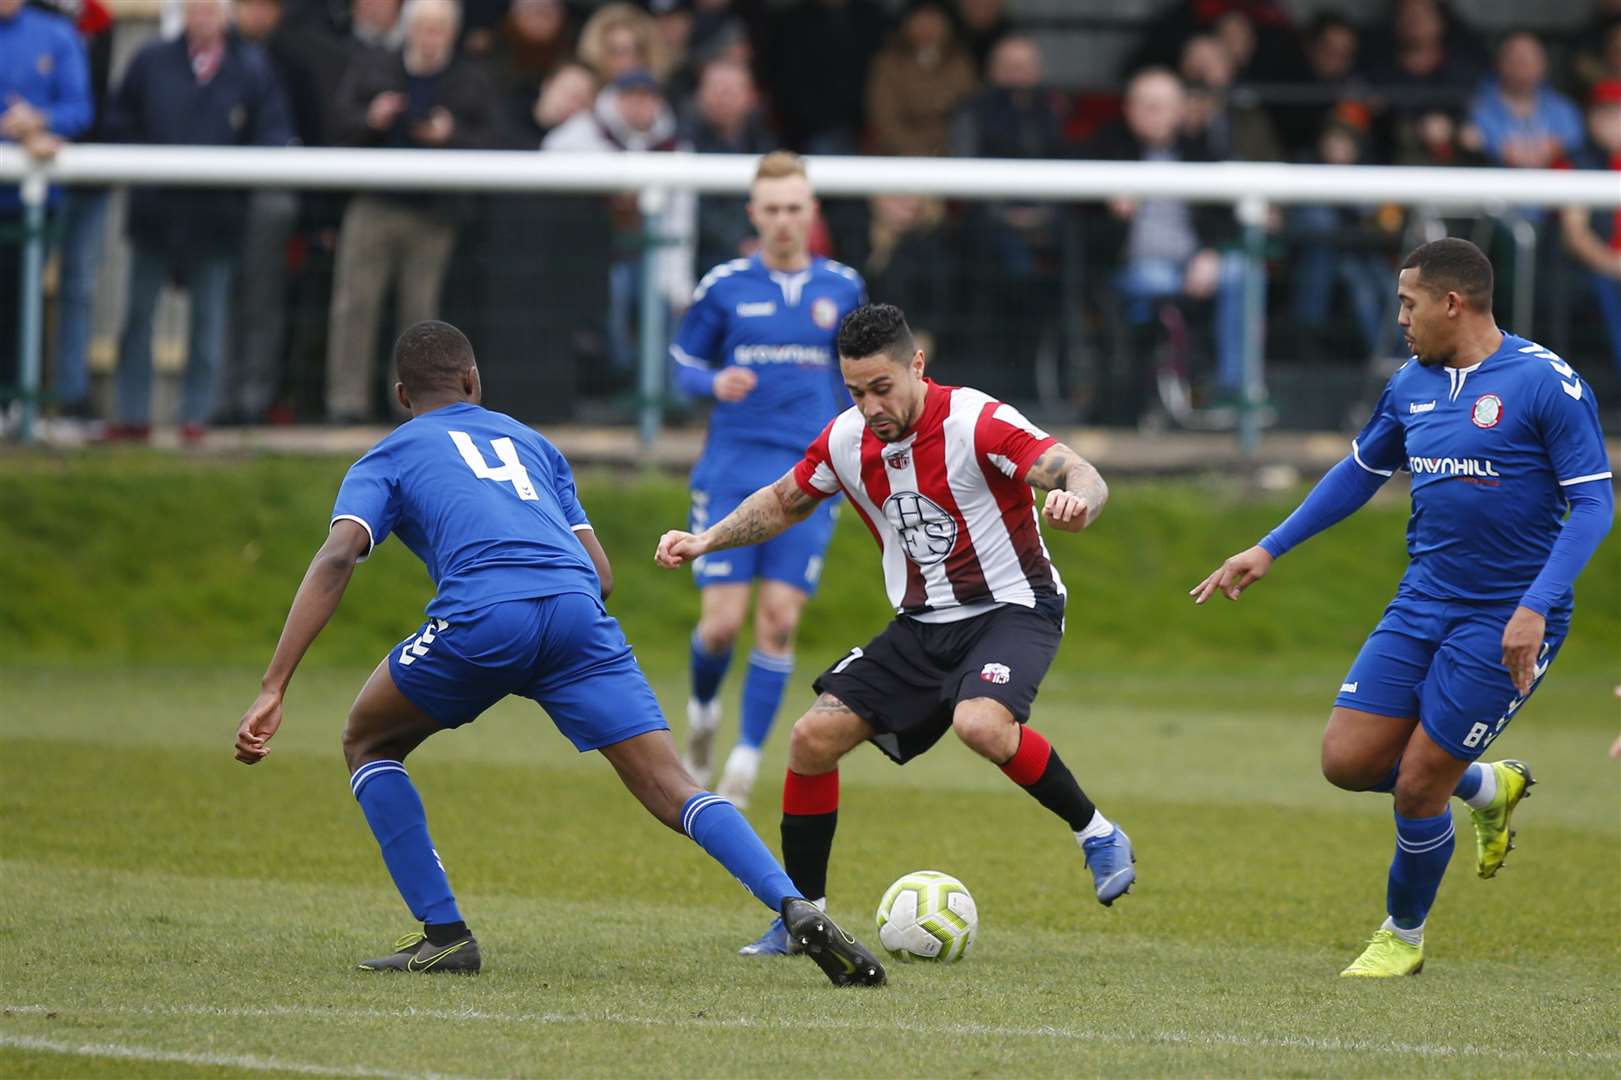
1016,244
533,42
571,89
376,24
1420,76
1517,118
423,97
481,25
82,224
1327,74
1257,34
1347,247
1597,50
631,115
44,98
253,364
917,82
909,260
725,119
1164,248
816,59
208,88
675,20
1227,129
1594,236
984,23
620,38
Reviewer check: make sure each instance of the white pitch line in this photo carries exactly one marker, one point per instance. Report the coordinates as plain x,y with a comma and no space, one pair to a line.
1163,1037
128,1052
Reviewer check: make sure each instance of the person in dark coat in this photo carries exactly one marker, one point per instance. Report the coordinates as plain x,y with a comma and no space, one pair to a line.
206,88
423,97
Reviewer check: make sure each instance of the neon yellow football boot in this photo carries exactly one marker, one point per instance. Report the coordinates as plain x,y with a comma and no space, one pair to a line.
1387,955
1493,838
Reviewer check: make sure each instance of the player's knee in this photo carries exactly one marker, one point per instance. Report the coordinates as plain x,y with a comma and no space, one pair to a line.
717,633
775,627
985,730
810,748
1421,792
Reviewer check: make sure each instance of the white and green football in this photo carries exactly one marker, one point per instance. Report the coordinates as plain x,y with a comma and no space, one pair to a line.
927,915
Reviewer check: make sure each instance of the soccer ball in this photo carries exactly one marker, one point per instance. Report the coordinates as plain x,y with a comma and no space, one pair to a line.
927,915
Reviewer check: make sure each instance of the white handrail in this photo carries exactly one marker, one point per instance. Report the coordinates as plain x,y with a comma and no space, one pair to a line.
958,178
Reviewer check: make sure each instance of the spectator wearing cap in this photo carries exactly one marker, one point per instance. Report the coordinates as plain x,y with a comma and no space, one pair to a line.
724,118
1593,236
44,98
206,88
917,82
631,116
423,97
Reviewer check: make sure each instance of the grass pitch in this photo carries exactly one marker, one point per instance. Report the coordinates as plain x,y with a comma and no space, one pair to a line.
167,912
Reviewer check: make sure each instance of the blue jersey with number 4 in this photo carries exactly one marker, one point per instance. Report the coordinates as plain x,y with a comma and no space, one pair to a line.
486,503
1492,449
781,326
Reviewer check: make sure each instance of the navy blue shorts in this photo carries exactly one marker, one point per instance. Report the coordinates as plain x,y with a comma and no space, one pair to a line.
794,558
1442,663
565,653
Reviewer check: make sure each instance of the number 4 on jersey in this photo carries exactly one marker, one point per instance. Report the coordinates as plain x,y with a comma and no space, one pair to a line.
511,470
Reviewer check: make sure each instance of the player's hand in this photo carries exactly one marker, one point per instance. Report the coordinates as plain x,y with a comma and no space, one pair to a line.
734,384
677,548
1522,644
1066,510
1234,576
258,724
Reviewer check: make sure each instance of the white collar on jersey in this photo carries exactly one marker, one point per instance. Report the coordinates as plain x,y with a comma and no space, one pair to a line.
791,284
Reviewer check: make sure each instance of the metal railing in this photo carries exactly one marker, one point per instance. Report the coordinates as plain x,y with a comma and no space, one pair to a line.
1250,188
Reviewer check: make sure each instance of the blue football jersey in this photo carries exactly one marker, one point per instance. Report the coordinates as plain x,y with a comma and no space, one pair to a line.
486,503
781,326
1492,449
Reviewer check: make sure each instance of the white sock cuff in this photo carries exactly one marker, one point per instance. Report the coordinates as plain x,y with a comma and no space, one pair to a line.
1487,791
366,772
1098,826
1413,937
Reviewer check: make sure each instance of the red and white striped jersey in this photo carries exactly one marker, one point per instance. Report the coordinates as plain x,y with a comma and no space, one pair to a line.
948,504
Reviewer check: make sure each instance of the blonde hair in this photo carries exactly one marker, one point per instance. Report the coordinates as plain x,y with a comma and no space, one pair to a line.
778,164
593,47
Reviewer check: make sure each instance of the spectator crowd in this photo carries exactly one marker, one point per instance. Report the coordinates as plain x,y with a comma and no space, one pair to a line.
293,296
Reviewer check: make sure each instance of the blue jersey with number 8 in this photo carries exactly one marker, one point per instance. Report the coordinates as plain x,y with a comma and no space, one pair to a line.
486,503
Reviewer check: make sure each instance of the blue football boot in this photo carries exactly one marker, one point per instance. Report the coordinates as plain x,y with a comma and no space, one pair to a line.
1111,860
774,942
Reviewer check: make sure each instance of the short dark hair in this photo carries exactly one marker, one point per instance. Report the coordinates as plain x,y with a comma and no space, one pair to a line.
431,357
877,328
1453,264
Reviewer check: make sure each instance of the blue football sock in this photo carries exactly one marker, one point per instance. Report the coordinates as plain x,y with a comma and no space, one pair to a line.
1469,783
720,830
708,669
1423,849
762,695
394,812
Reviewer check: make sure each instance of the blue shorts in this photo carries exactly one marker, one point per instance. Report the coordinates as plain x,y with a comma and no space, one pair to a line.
794,558
1442,662
565,652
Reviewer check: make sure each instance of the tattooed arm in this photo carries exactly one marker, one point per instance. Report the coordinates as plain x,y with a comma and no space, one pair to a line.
767,513
1075,491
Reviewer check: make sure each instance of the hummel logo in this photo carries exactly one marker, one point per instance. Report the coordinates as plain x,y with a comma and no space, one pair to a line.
1420,407
1349,687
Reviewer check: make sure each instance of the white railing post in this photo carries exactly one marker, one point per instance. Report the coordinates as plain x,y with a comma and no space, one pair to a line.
650,397
30,299
1252,214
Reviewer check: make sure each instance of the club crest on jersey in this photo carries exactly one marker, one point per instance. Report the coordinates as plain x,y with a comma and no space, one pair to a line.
898,460
825,313
928,532
996,673
1488,411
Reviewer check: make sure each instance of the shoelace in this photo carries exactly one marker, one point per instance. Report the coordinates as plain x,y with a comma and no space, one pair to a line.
409,941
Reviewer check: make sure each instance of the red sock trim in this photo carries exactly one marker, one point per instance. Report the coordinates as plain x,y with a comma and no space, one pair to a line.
805,795
1029,761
